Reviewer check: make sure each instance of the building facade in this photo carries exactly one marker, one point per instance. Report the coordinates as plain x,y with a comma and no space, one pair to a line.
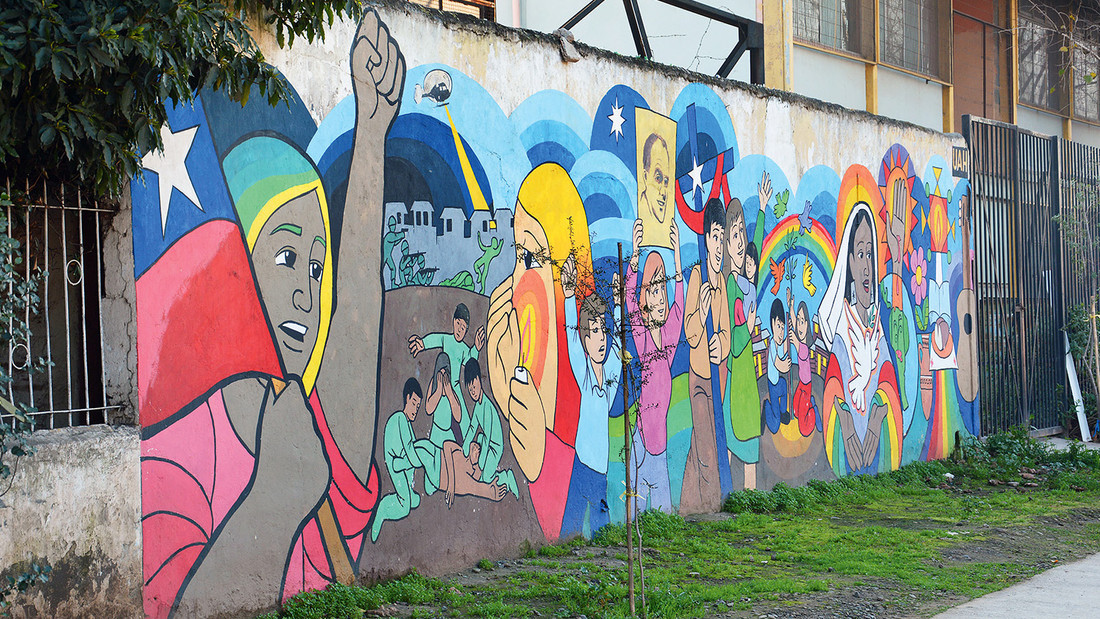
928,62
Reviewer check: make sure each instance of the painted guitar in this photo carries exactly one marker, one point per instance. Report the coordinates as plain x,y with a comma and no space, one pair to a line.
966,310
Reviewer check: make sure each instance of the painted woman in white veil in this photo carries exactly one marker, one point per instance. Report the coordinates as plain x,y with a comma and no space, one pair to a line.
860,386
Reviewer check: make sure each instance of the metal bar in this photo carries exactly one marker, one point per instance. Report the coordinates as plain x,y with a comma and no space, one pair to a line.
750,33
46,300
709,11
58,207
581,14
1025,408
27,310
68,319
11,324
637,28
89,409
735,55
83,307
99,313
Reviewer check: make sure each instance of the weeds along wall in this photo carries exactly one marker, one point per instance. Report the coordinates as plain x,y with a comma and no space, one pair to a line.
378,328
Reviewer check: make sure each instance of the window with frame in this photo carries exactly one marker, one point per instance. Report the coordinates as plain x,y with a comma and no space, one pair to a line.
1086,86
1040,82
842,25
485,9
913,35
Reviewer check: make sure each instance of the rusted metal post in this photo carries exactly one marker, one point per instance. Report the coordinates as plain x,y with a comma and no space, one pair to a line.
629,495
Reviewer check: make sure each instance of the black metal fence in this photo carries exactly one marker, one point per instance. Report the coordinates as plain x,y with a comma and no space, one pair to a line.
1080,222
1018,182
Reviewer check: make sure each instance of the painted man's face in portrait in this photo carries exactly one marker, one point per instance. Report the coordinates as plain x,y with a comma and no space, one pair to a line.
656,181
289,259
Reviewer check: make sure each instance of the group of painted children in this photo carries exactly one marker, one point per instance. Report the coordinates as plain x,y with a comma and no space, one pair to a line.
462,463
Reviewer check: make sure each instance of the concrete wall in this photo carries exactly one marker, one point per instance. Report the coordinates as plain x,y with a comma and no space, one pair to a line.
1086,133
829,77
75,505
909,98
296,272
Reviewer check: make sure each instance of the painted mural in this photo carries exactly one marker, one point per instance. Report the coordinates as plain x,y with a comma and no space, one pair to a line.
776,329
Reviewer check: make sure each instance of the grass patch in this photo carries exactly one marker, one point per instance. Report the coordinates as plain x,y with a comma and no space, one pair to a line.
929,534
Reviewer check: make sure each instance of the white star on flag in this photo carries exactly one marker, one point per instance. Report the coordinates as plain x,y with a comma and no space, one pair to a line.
617,120
169,165
696,175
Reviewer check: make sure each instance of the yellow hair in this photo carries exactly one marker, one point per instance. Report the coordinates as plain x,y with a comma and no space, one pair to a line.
309,377
550,197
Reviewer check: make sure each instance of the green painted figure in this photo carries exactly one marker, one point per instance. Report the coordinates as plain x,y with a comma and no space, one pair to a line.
401,461
484,421
389,242
481,265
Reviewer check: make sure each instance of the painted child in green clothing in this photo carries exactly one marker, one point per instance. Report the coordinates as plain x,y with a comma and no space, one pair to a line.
401,460
484,420
452,343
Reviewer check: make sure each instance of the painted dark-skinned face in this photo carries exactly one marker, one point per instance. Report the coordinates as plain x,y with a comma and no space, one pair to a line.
861,264
289,259
657,179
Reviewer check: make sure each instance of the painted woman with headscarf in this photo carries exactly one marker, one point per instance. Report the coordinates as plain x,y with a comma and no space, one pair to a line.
861,391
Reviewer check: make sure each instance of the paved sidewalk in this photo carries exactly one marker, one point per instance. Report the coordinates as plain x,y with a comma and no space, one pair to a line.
1063,444
1066,591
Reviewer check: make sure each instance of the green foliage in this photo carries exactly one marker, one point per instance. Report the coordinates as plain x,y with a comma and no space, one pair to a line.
83,82
15,417
339,601
14,585
14,333
485,564
1077,329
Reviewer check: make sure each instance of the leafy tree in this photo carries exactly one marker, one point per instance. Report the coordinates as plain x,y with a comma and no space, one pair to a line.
83,82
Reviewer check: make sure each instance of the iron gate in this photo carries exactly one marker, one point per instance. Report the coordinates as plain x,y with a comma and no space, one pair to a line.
1015,197
60,236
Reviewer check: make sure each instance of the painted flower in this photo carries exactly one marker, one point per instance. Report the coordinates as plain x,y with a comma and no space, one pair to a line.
918,283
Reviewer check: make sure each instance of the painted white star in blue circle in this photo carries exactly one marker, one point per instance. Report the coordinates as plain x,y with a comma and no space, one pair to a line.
696,174
617,120
171,169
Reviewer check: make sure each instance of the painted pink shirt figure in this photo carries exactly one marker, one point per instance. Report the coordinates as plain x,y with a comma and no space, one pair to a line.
803,363
195,471
656,393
